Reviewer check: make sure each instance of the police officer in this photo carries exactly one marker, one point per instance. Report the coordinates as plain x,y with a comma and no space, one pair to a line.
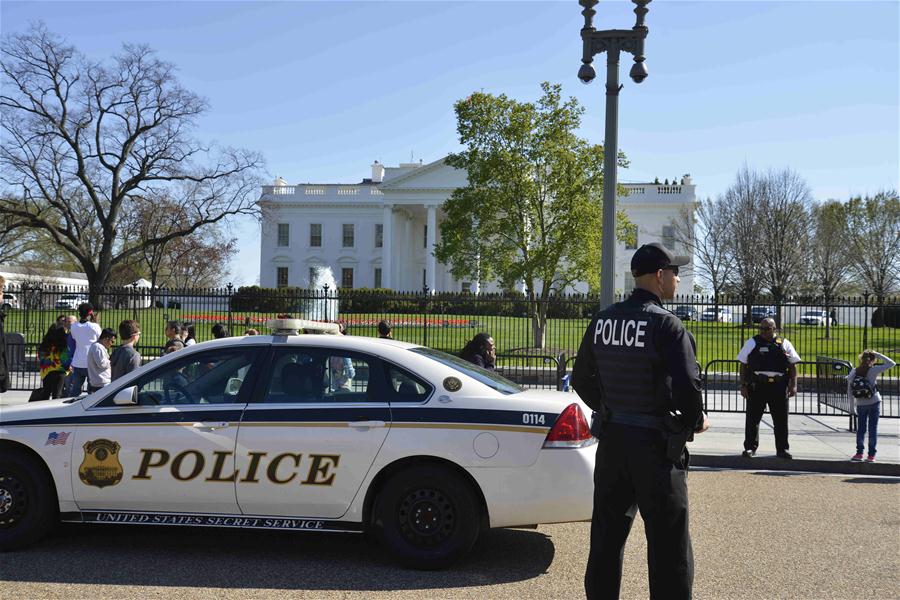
636,365
768,376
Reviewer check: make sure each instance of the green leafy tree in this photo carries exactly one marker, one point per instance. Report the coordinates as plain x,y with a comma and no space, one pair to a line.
531,212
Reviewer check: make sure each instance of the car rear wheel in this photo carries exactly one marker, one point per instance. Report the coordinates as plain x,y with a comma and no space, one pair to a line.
427,516
27,511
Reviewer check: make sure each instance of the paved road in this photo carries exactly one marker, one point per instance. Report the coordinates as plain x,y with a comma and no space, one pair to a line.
756,535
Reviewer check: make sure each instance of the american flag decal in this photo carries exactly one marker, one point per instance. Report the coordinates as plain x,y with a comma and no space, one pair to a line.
57,439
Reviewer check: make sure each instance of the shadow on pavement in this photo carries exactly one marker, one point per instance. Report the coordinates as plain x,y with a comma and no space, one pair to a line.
198,557
879,480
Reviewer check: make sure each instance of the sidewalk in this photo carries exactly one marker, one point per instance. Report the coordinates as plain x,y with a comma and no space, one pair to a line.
818,443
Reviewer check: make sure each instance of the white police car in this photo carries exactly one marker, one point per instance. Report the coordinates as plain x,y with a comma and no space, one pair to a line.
303,432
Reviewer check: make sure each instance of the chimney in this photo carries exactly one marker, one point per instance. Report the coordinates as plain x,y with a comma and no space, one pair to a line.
279,181
686,180
377,172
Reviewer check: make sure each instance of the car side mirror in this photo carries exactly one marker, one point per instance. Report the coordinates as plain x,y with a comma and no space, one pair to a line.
233,386
126,396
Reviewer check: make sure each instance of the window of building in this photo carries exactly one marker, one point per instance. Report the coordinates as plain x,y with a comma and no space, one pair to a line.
377,282
315,235
466,287
379,235
632,242
284,234
628,282
282,277
425,238
424,277
347,278
348,236
312,275
668,237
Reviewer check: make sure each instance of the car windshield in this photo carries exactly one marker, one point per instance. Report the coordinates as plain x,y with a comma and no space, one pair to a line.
814,313
488,378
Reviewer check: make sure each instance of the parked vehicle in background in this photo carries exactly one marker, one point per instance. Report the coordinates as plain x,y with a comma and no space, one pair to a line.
70,301
758,313
815,317
9,301
722,315
685,312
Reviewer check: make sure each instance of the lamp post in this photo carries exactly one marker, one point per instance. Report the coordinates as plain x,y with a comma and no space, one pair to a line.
613,42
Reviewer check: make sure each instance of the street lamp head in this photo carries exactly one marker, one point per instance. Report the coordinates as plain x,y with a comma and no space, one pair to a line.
586,73
639,72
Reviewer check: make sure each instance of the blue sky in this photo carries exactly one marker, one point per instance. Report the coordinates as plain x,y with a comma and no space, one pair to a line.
324,88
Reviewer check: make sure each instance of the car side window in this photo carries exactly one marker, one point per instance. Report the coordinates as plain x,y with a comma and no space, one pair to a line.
309,375
215,377
403,386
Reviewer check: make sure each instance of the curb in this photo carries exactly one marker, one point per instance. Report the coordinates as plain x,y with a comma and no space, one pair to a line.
797,464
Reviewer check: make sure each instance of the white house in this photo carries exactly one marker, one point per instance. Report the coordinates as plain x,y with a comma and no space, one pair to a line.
381,232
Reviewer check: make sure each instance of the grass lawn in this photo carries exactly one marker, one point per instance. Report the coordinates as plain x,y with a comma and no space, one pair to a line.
715,341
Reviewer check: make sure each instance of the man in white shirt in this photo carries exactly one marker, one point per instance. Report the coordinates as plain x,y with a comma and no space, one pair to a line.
99,367
768,377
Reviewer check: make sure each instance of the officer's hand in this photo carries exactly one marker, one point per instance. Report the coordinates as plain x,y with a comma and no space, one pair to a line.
792,391
705,425
745,391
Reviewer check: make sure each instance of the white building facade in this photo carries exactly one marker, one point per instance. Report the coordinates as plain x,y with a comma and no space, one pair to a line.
382,232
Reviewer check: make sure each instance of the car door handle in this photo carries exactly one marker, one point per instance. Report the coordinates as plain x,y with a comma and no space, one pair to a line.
366,424
210,426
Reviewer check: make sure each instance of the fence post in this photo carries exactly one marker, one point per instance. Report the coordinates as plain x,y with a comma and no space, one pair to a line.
134,301
230,315
425,315
865,343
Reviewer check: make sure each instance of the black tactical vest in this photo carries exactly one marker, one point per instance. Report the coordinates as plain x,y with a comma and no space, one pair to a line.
629,364
768,356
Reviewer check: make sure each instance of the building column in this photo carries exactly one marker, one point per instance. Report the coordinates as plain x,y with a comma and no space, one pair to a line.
387,245
431,223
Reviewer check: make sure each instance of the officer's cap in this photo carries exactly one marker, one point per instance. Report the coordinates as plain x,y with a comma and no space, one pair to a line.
650,258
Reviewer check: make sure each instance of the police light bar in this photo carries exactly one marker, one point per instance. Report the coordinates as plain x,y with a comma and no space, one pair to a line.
296,326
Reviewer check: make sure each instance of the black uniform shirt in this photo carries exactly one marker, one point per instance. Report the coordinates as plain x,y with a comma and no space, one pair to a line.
637,357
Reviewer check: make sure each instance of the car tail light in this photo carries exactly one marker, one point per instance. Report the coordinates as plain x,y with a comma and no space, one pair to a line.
571,430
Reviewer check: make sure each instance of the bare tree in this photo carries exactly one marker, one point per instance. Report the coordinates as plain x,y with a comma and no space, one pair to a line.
743,205
785,223
873,241
13,244
828,270
86,142
704,232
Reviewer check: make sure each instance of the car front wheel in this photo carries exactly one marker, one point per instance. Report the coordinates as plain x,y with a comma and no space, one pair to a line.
427,516
27,508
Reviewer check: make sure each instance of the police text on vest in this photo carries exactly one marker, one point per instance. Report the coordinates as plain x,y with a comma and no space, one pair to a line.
620,333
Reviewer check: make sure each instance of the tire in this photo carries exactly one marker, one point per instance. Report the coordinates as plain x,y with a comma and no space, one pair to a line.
448,522
27,502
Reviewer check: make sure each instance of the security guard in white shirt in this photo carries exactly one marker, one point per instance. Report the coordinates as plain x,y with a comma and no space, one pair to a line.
635,366
768,377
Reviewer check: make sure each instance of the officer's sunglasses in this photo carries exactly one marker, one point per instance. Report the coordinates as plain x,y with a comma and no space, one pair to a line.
673,268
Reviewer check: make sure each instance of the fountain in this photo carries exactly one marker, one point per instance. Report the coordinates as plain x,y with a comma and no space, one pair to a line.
322,305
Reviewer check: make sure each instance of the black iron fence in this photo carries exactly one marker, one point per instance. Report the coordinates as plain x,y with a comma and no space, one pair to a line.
827,333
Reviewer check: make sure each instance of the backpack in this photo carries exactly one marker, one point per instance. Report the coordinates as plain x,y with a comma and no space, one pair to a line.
862,388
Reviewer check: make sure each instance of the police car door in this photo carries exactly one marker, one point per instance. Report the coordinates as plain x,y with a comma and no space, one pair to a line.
310,436
174,450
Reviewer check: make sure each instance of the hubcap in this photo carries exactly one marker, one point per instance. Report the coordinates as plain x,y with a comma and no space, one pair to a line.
426,517
13,501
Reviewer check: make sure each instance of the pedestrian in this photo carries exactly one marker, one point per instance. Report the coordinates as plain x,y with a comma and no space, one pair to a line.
4,363
219,331
54,361
173,333
866,399
480,351
84,333
99,366
126,358
384,330
768,377
189,336
67,321
635,366
833,316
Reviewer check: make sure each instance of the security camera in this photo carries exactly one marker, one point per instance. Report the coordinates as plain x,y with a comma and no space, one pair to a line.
586,73
639,72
